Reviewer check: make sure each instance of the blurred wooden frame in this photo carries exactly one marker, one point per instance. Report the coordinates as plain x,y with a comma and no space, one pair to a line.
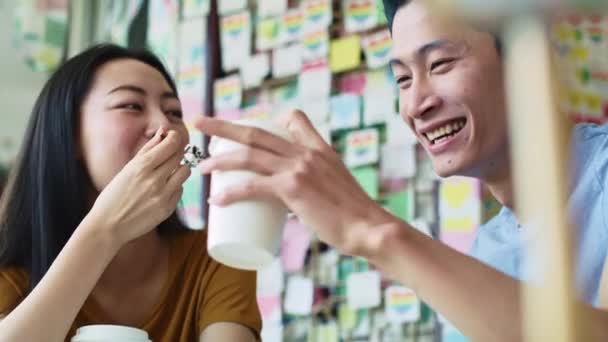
539,135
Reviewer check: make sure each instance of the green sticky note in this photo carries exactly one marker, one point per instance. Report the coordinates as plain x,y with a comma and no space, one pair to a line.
368,179
400,204
55,31
347,317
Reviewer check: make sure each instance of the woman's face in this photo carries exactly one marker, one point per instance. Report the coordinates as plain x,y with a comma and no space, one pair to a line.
128,102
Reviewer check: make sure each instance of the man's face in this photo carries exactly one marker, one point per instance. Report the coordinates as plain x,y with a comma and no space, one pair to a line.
450,91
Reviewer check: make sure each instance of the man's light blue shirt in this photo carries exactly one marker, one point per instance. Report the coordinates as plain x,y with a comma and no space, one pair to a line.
501,242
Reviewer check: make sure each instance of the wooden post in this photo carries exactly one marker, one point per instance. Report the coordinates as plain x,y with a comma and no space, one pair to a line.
539,147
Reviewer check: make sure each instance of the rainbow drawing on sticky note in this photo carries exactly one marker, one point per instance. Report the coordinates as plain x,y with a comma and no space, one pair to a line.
361,143
315,40
235,25
380,49
596,34
402,302
293,21
361,10
317,11
377,48
227,91
191,74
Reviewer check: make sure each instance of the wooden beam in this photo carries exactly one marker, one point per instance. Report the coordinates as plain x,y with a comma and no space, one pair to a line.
539,146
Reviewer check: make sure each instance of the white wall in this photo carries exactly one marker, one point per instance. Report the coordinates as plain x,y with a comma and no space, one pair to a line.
19,85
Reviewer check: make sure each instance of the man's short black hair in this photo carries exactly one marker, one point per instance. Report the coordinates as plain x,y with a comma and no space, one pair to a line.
392,6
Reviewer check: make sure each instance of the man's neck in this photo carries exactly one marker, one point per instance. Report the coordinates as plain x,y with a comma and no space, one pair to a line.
500,184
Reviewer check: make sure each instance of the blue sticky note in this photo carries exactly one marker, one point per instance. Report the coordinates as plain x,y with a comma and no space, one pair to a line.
345,111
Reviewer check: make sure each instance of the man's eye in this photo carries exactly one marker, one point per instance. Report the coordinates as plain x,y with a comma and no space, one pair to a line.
441,62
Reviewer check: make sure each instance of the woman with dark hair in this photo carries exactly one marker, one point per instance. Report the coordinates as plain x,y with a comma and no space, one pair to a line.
88,230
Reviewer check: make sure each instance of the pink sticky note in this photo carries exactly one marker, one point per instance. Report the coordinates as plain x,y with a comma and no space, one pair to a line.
296,240
353,83
461,242
270,307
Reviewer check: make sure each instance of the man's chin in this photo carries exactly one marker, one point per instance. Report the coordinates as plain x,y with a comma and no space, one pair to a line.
448,168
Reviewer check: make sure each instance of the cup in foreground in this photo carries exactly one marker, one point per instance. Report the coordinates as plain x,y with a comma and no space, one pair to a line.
245,234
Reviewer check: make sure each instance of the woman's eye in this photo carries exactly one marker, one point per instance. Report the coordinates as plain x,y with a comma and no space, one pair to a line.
131,106
176,113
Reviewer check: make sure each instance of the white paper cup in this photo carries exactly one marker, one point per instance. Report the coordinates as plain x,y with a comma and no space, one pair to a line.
245,234
110,333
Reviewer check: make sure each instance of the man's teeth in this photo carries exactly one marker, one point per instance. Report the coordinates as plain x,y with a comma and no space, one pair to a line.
443,132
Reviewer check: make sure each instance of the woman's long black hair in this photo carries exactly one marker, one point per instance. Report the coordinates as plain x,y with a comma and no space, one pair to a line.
46,196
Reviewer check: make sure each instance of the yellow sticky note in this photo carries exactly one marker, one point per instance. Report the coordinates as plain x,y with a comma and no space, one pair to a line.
463,224
579,54
347,317
575,99
594,102
345,53
456,194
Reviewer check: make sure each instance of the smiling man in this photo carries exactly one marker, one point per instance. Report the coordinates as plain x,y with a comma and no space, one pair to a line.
451,95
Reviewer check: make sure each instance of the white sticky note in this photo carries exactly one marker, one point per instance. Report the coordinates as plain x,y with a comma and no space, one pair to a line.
268,33
272,332
318,14
377,47
299,295
363,290
314,81
269,8
401,304
362,147
397,161
235,40
287,61
360,15
227,93
315,45
398,132
230,6
377,105
292,23
254,70
270,279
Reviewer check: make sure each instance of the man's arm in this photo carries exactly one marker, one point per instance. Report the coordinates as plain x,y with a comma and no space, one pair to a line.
314,183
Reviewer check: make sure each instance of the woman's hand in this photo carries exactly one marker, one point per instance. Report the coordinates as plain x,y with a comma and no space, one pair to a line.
146,191
307,175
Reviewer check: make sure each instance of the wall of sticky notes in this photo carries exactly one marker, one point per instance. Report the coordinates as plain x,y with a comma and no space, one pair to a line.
330,59
581,46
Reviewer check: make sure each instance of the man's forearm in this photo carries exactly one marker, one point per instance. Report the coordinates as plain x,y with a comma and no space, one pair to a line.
480,301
